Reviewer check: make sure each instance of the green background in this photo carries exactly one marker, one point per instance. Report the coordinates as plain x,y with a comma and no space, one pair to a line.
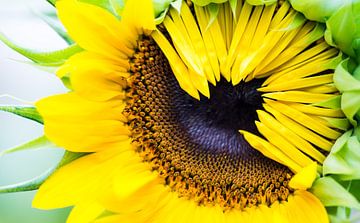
19,22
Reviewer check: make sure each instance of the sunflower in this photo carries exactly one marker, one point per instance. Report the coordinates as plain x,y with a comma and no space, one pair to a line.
222,111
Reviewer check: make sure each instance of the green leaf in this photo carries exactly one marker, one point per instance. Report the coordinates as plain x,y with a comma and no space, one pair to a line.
23,111
331,193
36,182
54,58
39,143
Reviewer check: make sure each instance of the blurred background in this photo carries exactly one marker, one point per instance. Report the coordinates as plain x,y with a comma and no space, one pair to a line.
20,23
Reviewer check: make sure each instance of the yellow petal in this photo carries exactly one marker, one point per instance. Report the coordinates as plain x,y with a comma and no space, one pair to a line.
270,151
94,28
208,41
283,145
150,197
318,111
219,43
299,129
292,84
81,125
197,41
96,77
304,178
132,179
140,15
83,180
295,48
237,37
298,96
135,218
296,140
180,70
311,211
304,119
85,212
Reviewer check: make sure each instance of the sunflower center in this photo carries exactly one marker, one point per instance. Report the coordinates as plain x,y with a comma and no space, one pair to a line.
195,145
214,123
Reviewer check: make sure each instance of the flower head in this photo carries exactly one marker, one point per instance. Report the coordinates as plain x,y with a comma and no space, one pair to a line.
218,112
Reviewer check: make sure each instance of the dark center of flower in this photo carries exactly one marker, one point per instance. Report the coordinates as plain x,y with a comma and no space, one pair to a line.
214,123
195,145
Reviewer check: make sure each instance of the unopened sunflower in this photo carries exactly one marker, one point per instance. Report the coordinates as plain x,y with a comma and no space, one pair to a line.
205,111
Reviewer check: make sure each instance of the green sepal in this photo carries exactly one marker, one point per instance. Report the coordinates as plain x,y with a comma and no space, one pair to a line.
109,5
48,69
105,4
318,10
54,58
36,182
23,111
175,4
233,6
49,18
299,20
334,103
261,2
343,26
162,9
341,215
52,2
213,10
66,80
354,188
344,158
39,143
342,20
105,214
251,2
207,2
340,123
117,6
332,194
29,185
343,80
350,88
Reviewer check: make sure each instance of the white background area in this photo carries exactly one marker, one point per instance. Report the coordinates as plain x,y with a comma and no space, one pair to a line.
19,22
